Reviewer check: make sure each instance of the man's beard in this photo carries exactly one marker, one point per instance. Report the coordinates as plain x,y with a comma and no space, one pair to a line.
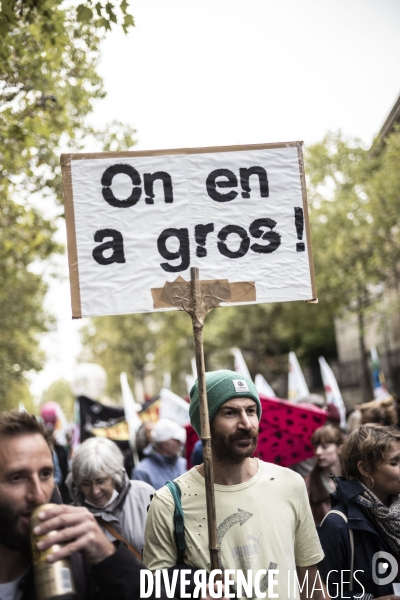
10,536
227,451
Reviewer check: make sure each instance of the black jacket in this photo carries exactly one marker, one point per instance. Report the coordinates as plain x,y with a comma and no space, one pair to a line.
335,541
117,578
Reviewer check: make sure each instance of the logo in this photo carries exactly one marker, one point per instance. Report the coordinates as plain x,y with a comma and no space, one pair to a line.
381,573
240,385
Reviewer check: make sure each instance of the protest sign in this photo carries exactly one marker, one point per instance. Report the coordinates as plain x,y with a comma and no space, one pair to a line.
137,221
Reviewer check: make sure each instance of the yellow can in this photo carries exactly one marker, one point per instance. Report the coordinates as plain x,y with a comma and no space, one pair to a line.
54,581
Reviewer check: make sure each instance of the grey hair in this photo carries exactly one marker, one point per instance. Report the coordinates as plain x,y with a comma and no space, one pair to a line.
95,457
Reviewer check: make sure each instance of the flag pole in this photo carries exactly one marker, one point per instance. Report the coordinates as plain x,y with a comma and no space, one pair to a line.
198,315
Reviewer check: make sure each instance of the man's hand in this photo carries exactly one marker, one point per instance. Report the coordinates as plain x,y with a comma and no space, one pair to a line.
76,529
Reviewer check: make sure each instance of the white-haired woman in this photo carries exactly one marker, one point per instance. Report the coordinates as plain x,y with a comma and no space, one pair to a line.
99,482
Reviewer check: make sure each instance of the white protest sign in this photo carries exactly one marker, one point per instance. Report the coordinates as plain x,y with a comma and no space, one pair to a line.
136,220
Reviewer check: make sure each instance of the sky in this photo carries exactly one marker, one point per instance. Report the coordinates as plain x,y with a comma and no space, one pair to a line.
205,73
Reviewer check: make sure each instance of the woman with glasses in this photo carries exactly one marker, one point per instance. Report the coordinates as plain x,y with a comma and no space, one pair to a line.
98,481
361,535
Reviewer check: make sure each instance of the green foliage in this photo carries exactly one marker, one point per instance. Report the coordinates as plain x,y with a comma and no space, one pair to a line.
60,391
48,81
354,209
94,14
383,190
134,343
163,342
345,259
25,238
18,393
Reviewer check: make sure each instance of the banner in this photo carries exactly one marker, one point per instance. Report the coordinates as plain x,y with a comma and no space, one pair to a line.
285,431
131,413
150,410
137,221
102,421
105,421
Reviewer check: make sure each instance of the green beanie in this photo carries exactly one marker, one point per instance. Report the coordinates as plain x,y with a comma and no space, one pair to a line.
221,386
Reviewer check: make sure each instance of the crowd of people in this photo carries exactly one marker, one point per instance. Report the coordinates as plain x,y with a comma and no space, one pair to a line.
337,528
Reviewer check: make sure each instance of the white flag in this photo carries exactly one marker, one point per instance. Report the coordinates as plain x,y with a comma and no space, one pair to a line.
297,386
189,382
173,407
194,368
130,406
131,415
332,392
263,387
240,364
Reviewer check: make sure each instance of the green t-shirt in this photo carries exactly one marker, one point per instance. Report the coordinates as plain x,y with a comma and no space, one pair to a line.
264,523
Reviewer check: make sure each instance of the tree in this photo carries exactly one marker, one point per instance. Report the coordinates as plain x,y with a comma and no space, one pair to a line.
383,191
26,237
121,343
99,14
60,391
346,262
48,80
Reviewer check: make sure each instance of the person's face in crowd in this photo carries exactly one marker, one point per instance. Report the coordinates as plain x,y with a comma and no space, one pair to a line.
169,448
26,481
327,455
234,430
98,490
386,476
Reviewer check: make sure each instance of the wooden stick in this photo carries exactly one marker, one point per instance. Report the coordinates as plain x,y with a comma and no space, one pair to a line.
198,321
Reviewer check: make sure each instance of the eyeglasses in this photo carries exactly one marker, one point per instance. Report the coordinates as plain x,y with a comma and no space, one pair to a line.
99,482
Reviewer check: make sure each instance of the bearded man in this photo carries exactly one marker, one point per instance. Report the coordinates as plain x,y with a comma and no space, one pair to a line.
263,516
100,568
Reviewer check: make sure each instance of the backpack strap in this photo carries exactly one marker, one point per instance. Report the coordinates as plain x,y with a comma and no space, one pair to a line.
351,536
118,536
179,520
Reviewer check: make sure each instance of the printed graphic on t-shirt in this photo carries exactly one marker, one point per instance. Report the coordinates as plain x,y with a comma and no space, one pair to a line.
246,556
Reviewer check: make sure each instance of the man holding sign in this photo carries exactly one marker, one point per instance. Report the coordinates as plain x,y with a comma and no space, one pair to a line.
264,523
138,223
